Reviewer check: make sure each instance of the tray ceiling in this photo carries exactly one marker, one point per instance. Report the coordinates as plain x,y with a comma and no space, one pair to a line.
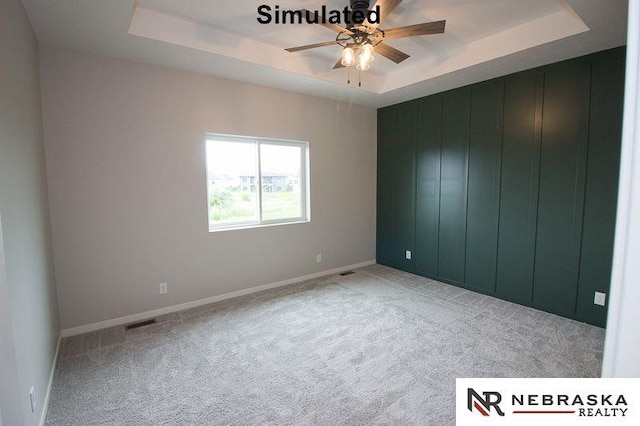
483,39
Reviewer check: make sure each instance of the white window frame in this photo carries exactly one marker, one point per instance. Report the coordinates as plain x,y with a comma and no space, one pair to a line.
305,197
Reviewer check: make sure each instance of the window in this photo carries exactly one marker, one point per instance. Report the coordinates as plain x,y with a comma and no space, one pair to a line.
256,181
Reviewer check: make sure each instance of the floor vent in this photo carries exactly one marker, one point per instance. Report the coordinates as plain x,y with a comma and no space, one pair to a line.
140,324
344,274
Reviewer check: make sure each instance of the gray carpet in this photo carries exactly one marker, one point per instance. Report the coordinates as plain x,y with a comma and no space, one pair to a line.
377,347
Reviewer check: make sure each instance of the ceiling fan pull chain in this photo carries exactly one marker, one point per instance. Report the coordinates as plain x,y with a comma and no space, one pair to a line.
359,78
348,75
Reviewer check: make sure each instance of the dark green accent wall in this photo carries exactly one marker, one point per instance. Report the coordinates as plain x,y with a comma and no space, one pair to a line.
456,107
508,187
563,152
603,160
384,201
429,150
519,185
483,190
397,134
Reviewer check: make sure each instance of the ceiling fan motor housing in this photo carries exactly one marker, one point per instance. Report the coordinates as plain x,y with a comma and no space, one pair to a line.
359,4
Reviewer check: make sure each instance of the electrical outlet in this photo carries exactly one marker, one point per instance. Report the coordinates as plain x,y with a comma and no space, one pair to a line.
599,298
318,257
32,399
407,254
163,287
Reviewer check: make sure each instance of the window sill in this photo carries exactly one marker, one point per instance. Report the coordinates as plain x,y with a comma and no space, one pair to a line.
258,225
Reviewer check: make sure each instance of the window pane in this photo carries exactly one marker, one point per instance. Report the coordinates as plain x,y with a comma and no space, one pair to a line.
281,170
232,182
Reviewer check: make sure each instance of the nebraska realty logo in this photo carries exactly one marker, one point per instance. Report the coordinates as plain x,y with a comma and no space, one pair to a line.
561,401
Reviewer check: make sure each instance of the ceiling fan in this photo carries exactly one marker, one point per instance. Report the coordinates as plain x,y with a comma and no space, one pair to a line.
360,41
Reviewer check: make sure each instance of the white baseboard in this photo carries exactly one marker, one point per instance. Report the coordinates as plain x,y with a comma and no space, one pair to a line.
45,402
181,307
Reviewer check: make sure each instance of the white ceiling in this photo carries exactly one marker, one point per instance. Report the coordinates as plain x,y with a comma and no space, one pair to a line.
483,39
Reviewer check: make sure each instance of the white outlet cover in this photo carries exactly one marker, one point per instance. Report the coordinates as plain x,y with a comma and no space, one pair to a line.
318,258
163,288
599,298
407,254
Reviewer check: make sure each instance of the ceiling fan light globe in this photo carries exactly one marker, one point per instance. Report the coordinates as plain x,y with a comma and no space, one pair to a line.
363,65
348,57
367,52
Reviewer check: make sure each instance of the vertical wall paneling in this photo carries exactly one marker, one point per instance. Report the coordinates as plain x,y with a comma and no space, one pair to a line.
605,134
384,219
509,186
562,177
483,197
453,184
404,183
519,186
428,184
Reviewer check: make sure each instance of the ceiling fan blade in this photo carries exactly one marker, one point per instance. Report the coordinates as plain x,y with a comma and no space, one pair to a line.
338,64
436,27
334,27
391,53
310,46
386,7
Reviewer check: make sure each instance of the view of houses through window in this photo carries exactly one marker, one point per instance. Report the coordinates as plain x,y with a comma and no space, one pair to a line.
253,181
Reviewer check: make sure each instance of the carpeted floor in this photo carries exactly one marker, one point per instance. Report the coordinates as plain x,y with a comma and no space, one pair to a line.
379,346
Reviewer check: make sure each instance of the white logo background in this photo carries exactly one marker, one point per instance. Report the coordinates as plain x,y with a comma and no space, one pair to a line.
629,388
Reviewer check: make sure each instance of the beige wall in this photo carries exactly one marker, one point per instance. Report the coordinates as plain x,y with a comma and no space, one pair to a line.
126,167
29,326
